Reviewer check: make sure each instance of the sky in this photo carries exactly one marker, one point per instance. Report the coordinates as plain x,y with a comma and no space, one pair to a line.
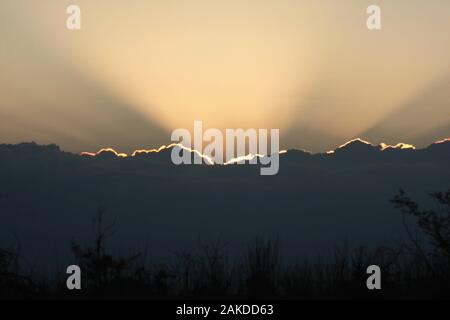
139,69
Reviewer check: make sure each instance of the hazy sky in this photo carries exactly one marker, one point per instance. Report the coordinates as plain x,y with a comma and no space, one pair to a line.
139,69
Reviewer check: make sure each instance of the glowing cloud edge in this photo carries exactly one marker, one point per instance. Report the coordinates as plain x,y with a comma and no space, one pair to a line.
382,147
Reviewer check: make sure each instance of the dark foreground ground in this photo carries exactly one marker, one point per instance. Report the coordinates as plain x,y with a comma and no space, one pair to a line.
163,232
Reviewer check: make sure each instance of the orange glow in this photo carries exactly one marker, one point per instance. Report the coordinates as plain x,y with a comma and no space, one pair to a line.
383,146
140,151
273,63
89,154
248,157
117,154
163,147
400,145
353,140
442,141
208,159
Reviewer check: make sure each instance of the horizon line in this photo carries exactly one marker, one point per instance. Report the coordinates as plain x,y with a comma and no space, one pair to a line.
382,147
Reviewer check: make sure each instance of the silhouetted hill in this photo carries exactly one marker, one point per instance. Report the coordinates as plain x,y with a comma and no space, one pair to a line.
48,196
356,147
439,148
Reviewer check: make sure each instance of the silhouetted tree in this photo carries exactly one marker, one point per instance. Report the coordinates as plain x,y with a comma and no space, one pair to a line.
435,224
13,282
100,269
